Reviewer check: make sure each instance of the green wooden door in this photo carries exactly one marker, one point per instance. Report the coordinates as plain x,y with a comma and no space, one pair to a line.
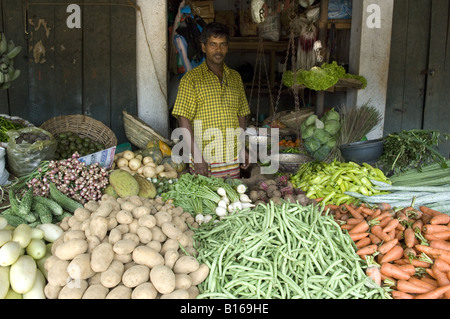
436,113
87,69
418,93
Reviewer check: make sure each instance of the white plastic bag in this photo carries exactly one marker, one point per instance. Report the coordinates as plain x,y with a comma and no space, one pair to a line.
4,174
270,29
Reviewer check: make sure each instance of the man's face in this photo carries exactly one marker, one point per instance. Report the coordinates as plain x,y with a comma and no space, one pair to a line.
215,49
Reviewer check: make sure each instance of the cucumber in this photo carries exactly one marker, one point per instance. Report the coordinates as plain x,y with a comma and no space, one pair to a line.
37,290
66,202
4,282
22,235
3,222
9,253
22,274
55,208
44,212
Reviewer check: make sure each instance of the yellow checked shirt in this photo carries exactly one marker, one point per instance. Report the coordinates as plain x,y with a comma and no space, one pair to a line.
212,107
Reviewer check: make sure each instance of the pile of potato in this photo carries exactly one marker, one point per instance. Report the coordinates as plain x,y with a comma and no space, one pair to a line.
125,248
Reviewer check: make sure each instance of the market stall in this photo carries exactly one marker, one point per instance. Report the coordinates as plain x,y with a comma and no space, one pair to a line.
141,226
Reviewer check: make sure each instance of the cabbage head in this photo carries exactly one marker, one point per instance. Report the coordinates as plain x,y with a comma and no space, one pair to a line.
331,115
332,127
310,120
308,132
331,143
322,136
311,145
322,153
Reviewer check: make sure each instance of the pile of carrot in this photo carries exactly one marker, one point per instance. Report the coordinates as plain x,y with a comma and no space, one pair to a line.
406,250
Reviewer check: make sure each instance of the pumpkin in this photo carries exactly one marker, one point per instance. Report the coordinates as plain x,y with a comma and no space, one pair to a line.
154,152
179,167
165,149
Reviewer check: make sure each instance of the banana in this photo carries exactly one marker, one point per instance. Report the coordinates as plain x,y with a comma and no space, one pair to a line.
3,44
11,45
14,52
14,75
8,51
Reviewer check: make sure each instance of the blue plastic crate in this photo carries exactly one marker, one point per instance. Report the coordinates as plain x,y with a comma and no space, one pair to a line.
340,9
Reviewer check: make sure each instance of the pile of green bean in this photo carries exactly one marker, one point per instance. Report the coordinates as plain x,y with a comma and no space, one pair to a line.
5,126
284,251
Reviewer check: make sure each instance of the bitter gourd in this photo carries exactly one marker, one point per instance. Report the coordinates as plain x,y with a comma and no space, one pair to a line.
55,208
14,220
43,211
22,209
66,202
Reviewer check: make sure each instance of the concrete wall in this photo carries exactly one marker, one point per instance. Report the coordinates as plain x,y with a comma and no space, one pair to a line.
370,54
152,61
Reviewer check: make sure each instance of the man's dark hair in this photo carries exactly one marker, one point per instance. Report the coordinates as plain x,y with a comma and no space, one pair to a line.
215,29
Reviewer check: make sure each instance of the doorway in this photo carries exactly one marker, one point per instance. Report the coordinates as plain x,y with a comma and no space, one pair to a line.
418,95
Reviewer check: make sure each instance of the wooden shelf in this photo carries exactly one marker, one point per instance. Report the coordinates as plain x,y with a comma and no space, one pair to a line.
340,24
342,85
252,44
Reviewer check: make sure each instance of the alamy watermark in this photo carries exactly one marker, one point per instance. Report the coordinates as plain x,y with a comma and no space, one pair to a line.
373,20
218,148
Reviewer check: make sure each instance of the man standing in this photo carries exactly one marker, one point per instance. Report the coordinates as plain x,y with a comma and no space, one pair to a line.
211,104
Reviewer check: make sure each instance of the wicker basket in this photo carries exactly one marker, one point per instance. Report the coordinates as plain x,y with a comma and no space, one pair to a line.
139,133
293,119
84,126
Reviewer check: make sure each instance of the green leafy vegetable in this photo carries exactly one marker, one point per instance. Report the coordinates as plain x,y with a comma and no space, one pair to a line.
320,78
412,149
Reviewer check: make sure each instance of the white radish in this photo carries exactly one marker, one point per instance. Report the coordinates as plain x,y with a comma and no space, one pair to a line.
208,218
244,198
199,218
221,191
235,206
241,188
222,203
221,211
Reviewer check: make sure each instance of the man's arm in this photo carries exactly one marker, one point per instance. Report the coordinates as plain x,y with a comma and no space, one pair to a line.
202,166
